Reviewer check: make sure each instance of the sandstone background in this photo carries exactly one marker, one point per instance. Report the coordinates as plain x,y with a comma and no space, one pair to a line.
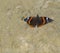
17,37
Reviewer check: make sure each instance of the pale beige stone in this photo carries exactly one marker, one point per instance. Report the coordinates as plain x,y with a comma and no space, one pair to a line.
18,37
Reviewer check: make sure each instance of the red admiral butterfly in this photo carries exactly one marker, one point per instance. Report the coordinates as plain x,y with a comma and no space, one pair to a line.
37,21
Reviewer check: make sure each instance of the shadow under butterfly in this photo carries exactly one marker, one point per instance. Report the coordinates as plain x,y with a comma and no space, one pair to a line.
37,21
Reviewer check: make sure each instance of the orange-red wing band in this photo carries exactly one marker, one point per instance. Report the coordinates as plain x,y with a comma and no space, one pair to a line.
43,18
30,20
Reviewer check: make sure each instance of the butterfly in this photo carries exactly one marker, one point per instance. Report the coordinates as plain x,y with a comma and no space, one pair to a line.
37,21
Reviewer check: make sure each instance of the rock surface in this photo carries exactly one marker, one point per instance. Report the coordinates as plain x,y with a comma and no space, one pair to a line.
17,37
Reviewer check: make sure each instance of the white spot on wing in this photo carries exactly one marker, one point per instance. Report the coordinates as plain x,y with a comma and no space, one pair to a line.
47,19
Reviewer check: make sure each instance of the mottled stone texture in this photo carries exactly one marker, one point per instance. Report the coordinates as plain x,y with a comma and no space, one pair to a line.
18,37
